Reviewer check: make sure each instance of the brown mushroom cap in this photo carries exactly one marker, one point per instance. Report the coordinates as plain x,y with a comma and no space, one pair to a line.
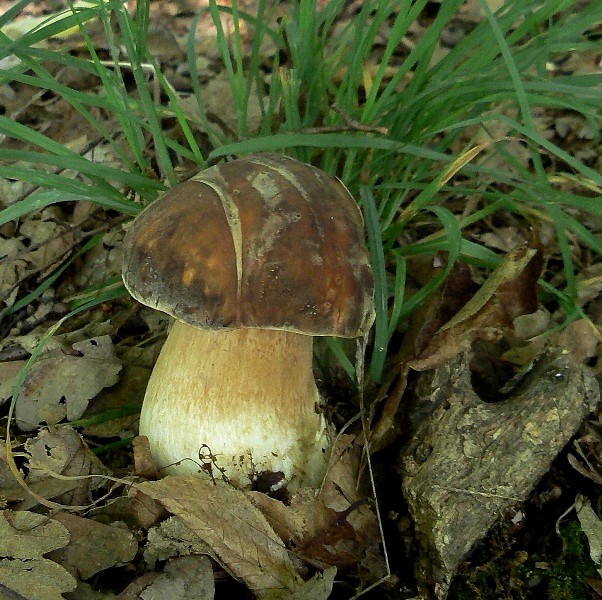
261,242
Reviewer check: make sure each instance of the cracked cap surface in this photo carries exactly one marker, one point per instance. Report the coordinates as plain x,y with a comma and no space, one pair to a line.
263,242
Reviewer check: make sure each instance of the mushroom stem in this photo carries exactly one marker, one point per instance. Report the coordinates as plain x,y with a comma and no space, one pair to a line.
246,396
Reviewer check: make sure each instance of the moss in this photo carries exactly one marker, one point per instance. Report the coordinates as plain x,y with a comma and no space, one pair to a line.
565,577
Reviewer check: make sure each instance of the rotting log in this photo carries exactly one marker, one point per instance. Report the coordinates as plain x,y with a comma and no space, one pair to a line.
469,462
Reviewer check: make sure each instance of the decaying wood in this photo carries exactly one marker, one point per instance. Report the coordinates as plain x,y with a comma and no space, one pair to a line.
470,461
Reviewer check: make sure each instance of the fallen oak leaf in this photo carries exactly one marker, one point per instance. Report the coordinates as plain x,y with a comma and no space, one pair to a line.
236,532
60,465
59,385
24,538
170,539
53,449
36,578
25,534
93,546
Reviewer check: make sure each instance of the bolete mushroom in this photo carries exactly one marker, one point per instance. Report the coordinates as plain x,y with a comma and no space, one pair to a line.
252,257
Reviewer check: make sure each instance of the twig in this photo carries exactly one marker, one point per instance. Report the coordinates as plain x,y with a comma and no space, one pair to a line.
350,125
359,372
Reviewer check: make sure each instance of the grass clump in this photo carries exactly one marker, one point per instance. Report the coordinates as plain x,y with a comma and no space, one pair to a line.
411,132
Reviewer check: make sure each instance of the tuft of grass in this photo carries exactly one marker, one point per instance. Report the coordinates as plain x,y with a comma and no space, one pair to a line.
404,133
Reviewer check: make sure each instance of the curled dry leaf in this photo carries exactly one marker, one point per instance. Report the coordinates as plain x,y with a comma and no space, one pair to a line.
335,527
59,385
316,532
24,538
591,525
238,535
510,291
172,538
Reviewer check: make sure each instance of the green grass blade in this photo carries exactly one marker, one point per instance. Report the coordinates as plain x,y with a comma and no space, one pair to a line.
377,258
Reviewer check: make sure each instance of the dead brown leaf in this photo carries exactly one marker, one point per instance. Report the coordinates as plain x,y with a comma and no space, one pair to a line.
129,390
185,578
583,340
509,292
93,547
36,578
61,452
239,536
40,244
171,538
60,385
312,529
455,293
24,538
143,461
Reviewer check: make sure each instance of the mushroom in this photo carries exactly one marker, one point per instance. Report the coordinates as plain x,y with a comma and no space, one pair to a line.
252,258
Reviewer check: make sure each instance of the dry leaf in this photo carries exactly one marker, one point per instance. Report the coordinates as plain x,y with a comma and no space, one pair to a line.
128,391
136,587
319,587
455,293
312,529
509,292
50,241
84,591
144,466
24,538
12,269
29,535
36,578
217,95
529,326
63,452
93,546
335,527
239,536
502,282
60,386
591,525
582,339
172,538
185,578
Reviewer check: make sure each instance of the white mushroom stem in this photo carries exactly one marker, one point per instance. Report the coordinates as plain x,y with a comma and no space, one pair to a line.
247,397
